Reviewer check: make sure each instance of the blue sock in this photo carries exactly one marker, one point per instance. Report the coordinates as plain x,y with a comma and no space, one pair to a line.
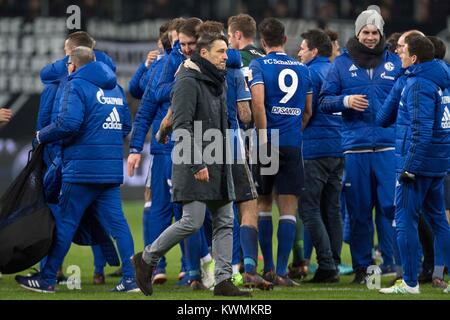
192,251
265,228
236,257
249,244
286,235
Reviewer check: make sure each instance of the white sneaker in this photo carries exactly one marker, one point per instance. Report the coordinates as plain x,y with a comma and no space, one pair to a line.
400,287
208,274
447,290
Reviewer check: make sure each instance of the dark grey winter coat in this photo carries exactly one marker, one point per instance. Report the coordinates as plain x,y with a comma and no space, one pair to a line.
194,100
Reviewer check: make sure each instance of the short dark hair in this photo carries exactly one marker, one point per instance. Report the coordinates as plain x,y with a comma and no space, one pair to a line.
243,23
421,47
164,28
206,40
439,47
333,35
80,38
81,56
392,41
165,41
188,27
209,27
272,32
318,39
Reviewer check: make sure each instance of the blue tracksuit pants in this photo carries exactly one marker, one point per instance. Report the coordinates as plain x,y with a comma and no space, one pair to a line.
370,183
423,195
74,200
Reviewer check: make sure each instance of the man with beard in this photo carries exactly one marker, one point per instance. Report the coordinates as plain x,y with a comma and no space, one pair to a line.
198,97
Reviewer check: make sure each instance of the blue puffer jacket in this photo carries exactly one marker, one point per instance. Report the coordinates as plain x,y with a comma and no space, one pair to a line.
134,86
387,115
149,114
322,137
93,121
345,78
167,77
423,123
54,77
139,80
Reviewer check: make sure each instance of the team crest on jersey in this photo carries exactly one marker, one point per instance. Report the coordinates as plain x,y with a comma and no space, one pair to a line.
389,66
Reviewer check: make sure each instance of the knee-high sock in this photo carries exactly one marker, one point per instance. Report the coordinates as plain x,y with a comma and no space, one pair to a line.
298,247
286,235
265,228
249,244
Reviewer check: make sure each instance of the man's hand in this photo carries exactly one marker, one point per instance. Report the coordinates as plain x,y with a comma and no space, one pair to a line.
161,138
5,115
151,57
358,102
133,162
202,175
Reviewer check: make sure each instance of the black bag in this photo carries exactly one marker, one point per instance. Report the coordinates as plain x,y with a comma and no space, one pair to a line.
26,223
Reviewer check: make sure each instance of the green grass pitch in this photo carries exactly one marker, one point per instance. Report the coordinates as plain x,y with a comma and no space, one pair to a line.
82,256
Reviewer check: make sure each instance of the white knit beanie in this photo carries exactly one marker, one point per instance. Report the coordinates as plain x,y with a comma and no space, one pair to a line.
370,16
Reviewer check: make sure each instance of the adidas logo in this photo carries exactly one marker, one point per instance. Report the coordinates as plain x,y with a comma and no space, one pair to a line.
113,121
353,68
445,124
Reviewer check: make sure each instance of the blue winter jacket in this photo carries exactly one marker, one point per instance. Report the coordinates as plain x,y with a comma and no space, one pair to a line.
93,121
423,122
134,86
167,76
322,137
359,129
54,78
387,115
150,113
139,80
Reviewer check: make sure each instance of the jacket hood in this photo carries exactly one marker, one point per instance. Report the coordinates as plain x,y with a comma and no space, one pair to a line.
436,71
103,57
97,73
234,59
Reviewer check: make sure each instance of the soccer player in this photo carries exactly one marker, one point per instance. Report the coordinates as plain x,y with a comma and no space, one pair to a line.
281,103
241,34
324,164
357,84
423,150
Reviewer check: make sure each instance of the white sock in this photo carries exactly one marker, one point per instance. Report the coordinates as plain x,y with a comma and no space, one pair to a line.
148,204
205,259
235,268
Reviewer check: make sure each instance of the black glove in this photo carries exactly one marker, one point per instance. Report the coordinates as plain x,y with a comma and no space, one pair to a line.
407,177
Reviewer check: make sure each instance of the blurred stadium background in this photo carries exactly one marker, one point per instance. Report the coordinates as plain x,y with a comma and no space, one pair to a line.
32,34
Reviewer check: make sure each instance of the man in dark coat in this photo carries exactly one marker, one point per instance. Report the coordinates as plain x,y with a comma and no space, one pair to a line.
199,180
